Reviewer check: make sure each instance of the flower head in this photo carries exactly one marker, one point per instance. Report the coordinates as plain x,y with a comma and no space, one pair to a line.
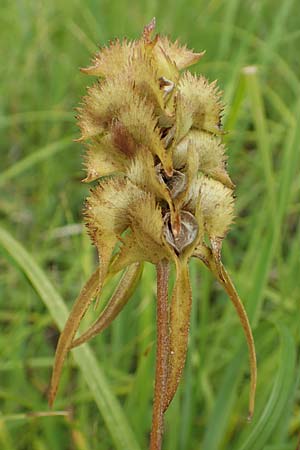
153,132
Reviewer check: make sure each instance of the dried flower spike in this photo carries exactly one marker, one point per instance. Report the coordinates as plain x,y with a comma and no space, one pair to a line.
155,132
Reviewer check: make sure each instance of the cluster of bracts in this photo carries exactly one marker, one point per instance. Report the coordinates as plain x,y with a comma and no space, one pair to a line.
153,137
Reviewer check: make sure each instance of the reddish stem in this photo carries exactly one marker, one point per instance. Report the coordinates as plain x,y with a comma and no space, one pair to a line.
162,353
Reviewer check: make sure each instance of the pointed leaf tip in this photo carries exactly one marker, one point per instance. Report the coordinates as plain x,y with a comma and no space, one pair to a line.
87,294
148,30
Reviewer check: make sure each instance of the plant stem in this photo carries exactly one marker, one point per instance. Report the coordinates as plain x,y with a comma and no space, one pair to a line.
162,354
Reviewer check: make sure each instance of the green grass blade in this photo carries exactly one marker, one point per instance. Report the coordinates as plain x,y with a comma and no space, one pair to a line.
107,403
222,406
274,37
34,158
281,447
36,116
227,28
262,132
265,425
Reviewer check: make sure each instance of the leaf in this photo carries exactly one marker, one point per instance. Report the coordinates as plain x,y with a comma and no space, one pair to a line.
207,256
109,407
86,296
226,282
180,312
118,300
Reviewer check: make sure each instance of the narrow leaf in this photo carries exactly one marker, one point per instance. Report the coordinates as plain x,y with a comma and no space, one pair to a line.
212,260
181,303
87,294
226,282
116,303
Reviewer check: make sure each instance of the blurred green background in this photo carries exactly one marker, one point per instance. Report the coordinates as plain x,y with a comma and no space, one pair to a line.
252,48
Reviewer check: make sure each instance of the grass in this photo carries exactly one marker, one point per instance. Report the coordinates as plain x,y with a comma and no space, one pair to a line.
106,390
